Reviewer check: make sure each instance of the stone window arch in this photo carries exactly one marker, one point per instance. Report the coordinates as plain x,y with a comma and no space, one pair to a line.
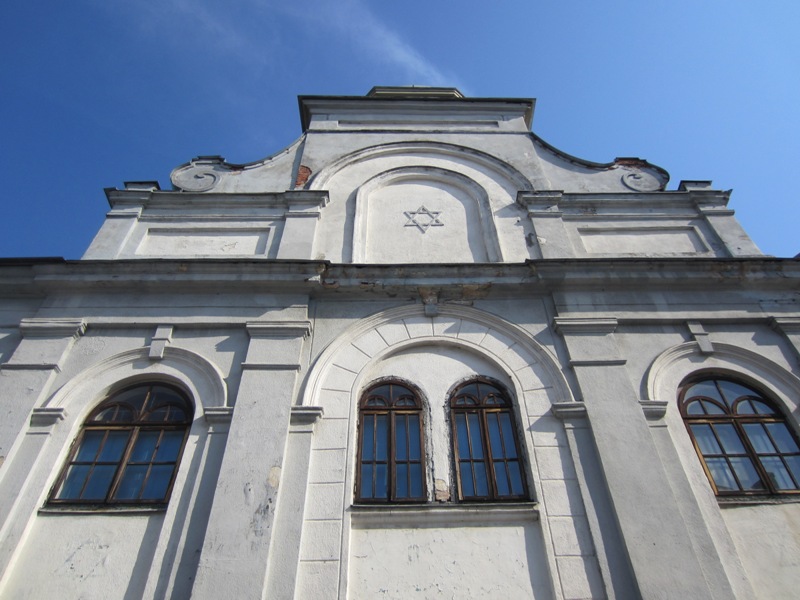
128,449
741,437
391,444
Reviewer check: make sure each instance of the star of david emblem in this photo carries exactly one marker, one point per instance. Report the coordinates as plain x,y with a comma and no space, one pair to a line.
423,218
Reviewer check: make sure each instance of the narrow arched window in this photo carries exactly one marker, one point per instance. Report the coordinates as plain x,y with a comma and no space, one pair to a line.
741,437
128,449
391,449
485,446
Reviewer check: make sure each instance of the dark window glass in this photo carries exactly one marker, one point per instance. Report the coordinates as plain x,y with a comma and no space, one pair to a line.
485,445
742,438
128,450
391,450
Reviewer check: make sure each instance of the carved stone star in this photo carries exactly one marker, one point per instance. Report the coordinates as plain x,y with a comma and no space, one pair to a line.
423,218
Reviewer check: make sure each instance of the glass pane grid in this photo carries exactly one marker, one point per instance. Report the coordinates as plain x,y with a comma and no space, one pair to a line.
747,450
115,464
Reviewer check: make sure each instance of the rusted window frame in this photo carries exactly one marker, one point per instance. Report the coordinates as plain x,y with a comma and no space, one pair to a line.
482,410
391,462
134,427
737,421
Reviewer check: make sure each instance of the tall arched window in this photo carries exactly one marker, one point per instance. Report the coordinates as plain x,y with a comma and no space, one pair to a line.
485,447
741,437
391,449
128,450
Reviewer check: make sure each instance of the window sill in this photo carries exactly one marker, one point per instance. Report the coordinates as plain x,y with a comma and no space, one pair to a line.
733,501
98,509
486,514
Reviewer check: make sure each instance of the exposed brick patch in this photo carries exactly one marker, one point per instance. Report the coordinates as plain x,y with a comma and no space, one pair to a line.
303,173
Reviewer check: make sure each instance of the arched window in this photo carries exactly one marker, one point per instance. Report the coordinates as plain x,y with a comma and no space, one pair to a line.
128,449
741,438
391,449
485,448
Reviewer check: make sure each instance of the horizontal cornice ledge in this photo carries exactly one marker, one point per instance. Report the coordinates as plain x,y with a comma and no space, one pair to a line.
303,276
581,325
483,514
283,329
52,327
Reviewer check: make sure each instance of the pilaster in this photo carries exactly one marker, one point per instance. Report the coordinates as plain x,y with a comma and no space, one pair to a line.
658,543
29,372
282,568
243,510
548,225
713,206
300,224
789,327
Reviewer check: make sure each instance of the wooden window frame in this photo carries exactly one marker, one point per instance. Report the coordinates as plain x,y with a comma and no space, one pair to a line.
738,421
482,409
134,427
391,412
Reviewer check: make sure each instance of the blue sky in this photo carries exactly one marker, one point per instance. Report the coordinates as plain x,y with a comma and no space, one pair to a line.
95,92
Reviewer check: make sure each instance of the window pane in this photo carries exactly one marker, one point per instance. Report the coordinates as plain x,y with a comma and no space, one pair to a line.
694,408
746,473
401,480
170,446
758,438
157,482
704,388
89,446
481,481
367,437
381,437
116,414
711,408
508,435
467,486
176,415
734,391
721,473
400,443
495,441
416,480
475,435
782,437
99,482
762,408
131,484
413,435
381,481
793,462
381,393
73,482
471,391
729,439
463,438
516,478
777,472
145,446
114,446
159,415
745,407
501,479
366,481
705,439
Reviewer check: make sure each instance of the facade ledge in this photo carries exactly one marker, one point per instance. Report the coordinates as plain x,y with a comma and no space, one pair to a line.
370,516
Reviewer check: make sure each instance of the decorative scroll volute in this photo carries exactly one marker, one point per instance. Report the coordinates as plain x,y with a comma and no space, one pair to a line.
200,175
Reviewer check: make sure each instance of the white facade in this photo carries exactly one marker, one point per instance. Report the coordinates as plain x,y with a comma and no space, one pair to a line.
430,240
